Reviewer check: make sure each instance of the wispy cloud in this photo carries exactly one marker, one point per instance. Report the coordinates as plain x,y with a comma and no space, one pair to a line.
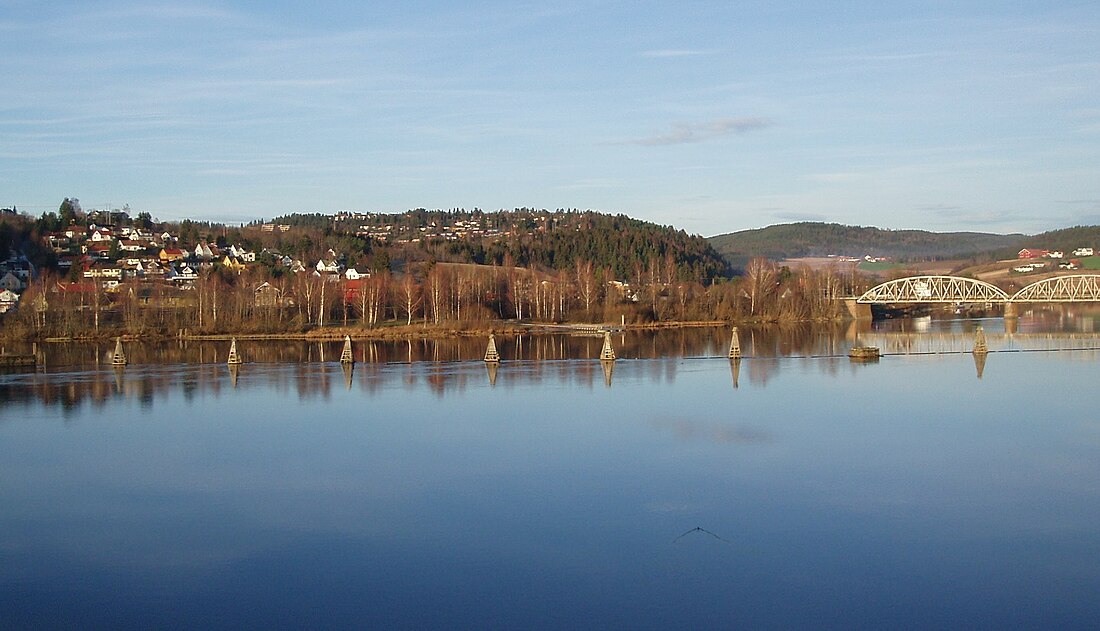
666,53
872,57
686,133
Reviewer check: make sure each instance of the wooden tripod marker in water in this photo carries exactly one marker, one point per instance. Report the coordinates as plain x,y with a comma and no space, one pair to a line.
491,354
735,345
119,357
980,346
607,353
345,355
234,358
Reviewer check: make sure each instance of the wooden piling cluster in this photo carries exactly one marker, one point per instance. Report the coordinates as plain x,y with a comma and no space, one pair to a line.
980,345
346,356
607,353
491,354
234,357
118,358
735,345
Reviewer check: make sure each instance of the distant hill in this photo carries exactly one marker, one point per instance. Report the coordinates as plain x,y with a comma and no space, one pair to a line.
821,239
1064,239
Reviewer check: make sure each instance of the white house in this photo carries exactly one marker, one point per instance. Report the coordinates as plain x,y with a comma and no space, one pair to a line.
1083,252
238,252
328,267
11,282
353,274
131,245
102,235
182,275
103,271
8,300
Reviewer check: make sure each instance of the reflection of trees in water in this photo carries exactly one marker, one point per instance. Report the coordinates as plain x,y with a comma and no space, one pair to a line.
195,369
192,369
649,344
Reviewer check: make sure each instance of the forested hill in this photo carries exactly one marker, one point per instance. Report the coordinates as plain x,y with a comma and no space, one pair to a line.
540,239
1065,239
822,239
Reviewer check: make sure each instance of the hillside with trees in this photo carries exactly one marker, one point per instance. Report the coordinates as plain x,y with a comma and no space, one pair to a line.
76,274
1065,239
79,274
530,238
823,239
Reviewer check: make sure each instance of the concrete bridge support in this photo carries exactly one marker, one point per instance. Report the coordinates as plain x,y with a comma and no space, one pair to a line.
858,311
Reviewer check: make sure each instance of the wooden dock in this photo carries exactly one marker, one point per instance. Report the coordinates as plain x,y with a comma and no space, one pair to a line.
17,361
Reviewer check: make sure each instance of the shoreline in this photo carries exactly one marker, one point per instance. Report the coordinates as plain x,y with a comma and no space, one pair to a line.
414,331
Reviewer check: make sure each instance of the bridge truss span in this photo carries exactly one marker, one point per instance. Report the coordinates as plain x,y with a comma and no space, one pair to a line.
933,289
1077,288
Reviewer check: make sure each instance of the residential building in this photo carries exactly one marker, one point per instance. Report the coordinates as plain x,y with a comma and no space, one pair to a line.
1031,253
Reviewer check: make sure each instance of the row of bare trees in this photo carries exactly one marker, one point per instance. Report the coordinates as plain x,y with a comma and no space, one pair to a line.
437,294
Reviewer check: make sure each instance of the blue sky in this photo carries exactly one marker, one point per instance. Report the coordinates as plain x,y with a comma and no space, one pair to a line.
713,116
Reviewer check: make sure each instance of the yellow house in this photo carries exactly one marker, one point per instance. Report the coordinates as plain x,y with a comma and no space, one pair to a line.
232,263
168,255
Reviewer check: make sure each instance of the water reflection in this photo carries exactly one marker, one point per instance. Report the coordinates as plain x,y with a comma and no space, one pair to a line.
73,373
691,342
979,363
197,494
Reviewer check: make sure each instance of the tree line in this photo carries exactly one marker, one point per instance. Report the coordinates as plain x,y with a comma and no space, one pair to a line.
434,295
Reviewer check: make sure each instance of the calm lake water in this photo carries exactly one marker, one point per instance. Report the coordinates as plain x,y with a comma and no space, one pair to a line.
790,490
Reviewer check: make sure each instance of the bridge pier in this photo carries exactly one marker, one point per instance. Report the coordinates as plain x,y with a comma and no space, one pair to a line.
858,311
1011,310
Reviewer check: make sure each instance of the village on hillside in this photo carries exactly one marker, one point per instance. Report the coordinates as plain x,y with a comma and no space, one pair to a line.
106,258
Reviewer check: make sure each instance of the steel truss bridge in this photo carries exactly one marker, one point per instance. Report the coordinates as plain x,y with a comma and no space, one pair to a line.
956,290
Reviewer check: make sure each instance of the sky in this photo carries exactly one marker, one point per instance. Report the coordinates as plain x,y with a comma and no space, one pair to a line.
709,116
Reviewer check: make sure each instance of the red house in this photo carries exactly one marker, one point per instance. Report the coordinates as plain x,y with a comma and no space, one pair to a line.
1029,253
